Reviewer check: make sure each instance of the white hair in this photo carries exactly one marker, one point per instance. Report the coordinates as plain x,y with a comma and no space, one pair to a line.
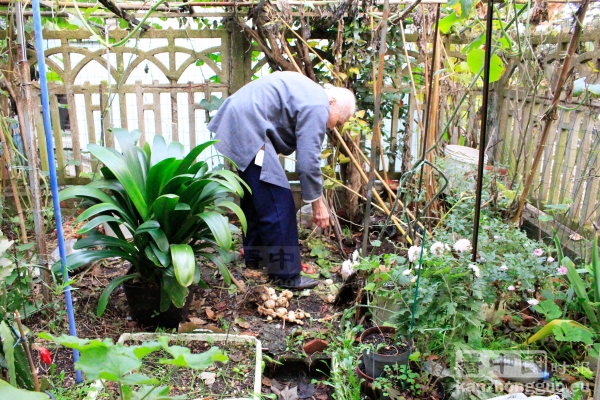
344,98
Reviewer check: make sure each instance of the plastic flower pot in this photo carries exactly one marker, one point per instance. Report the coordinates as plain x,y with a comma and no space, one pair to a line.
375,363
144,307
366,385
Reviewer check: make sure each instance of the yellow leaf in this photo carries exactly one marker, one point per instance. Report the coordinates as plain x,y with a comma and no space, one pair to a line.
359,114
547,329
354,71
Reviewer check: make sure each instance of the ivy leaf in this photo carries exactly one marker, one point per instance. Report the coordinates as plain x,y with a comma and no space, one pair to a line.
549,309
569,333
475,60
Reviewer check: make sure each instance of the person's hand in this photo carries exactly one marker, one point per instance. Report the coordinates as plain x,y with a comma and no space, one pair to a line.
320,213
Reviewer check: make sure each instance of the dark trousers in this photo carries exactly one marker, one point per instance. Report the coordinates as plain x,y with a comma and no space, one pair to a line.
272,236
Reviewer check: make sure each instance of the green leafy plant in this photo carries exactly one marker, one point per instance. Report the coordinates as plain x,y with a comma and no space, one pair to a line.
587,293
102,360
172,206
12,352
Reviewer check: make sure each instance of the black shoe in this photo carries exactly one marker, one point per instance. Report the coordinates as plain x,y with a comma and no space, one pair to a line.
298,282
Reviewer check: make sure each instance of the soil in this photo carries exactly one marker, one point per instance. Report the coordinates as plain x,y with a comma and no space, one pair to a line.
384,343
219,309
233,379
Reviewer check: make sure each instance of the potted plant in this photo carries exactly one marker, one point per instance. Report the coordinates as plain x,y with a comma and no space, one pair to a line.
174,208
382,348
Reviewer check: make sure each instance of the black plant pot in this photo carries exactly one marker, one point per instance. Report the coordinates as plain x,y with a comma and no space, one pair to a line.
144,307
375,363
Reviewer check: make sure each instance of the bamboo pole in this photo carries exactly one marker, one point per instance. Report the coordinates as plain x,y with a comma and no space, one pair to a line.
36,382
13,184
366,179
550,115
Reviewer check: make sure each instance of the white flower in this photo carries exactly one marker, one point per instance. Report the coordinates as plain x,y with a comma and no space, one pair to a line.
533,302
550,260
414,279
355,256
447,247
504,268
406,272
415,252
530,290
496,237
511,288
462,245
437,249
475,269
347,269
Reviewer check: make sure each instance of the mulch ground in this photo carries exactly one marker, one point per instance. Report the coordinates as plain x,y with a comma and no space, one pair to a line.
219,309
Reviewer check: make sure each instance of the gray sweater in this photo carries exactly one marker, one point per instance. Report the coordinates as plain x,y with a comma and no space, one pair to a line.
285,112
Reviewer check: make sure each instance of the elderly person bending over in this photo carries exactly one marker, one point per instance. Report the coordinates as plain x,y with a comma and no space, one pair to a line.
280,113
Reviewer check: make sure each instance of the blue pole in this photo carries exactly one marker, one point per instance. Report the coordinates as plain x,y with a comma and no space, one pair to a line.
41,61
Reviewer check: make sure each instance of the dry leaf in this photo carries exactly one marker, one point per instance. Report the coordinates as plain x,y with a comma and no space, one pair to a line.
221,306
286,393
576,237
208,377
242,323
266,381
210,313
197,321
196,304
187,327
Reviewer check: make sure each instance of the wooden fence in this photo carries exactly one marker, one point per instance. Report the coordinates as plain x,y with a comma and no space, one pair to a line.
157,83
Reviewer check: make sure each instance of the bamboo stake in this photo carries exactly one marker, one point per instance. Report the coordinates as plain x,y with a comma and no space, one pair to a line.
385,185
13,184
550,114
366,179
36,382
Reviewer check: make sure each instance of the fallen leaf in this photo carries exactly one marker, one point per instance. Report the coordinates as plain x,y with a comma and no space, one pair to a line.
221,306
286,393
576,237
276,384
248,333
210,313
254,274
196,304
213,328
266,381
187,327
305,388
208,377
197,321
242,323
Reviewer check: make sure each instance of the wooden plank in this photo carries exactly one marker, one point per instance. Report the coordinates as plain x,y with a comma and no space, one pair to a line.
75,141
586,149
59,149
123,111
174,118
91,127
156,110
105,117
561,140
139,97
570,161
192,116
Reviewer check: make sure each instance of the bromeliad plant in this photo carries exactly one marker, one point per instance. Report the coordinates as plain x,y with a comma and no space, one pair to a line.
172,205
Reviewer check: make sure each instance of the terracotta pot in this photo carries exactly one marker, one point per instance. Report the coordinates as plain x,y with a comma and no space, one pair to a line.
366,385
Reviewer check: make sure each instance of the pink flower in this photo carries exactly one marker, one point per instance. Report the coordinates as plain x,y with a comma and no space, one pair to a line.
511,288
538,252
533,302
530,290
550,260
504,268
561,270
462,245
